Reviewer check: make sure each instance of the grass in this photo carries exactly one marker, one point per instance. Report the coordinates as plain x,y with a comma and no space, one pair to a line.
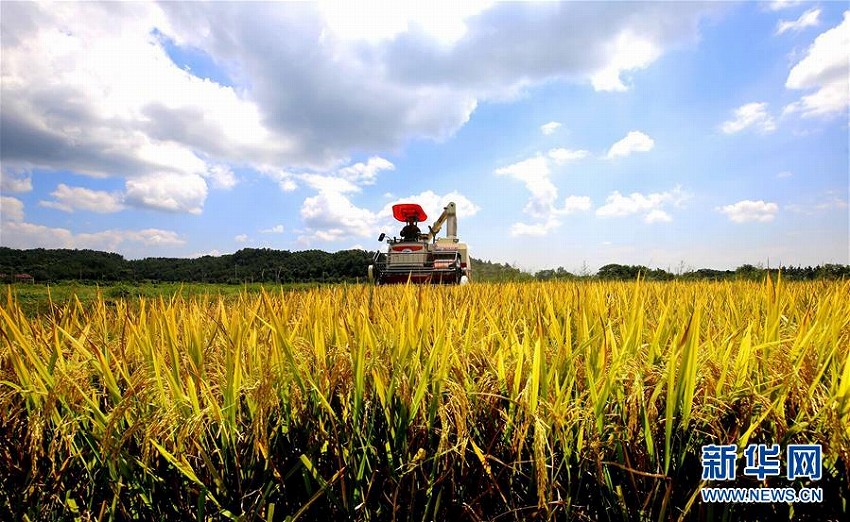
588,400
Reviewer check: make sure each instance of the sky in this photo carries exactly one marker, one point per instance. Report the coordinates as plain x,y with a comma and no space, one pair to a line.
673,135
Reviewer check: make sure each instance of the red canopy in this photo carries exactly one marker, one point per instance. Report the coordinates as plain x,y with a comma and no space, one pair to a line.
405,211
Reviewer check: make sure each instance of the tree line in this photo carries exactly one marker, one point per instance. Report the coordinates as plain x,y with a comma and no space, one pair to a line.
246,265
282,266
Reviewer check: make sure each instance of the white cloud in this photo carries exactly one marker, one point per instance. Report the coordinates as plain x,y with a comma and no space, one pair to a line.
785,174
375,21
550,128
617,205
328,183
29,235
91,88
750,115
14,182
69,199
277,229
241,238
534,172
11,209
562,156
778,5
635,141
222,177
331,216
167,191
657,215
573,204
284,179
535,229
348,179
377,75
151,237
826,67
808,19
214,252
365,173
747,210
627,52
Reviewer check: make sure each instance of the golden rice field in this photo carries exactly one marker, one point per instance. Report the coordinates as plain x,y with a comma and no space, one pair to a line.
587,400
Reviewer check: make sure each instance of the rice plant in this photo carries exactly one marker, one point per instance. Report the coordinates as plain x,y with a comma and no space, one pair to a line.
584,399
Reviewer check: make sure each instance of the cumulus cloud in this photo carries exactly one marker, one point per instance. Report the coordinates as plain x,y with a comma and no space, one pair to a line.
222,177
635,141
747,210
11,209
393,79
810,18
751,115
657,215
11,182
328,183
651,205
167,191
535,174
785,174
331,216
534,229
562,156
277,229
90,88
573,204
825,69
365,173
550,128
241,238
627,52
778,5
441,20
284,179
69,199
29,235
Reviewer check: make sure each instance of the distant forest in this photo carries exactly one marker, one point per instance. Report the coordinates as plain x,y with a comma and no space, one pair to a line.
251,265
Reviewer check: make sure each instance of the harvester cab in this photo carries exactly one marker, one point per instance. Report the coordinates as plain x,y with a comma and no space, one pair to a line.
420,257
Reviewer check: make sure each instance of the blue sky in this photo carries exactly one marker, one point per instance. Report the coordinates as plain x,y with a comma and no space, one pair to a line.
570,134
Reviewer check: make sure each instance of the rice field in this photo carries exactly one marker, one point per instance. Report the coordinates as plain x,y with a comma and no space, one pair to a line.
587,400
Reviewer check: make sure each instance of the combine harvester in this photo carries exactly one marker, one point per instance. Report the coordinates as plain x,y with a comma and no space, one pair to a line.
422,258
